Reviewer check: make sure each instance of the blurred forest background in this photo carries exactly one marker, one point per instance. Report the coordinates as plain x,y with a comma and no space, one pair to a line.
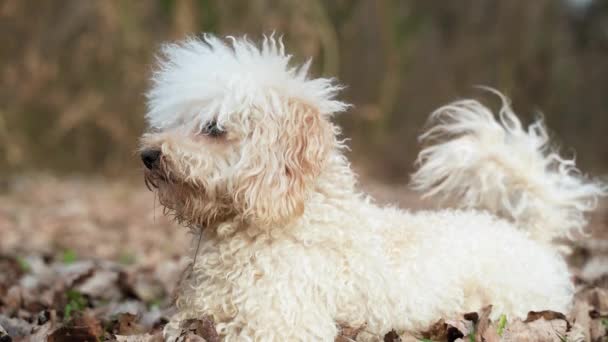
74,72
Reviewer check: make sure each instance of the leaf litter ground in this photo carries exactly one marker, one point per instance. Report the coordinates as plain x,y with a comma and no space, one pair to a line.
92,259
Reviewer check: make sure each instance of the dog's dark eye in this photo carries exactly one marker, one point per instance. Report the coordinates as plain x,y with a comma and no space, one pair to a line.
211,129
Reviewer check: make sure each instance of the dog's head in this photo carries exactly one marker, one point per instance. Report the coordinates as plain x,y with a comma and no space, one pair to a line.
235,131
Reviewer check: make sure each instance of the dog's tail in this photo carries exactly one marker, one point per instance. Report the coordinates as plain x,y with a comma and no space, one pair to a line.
477,161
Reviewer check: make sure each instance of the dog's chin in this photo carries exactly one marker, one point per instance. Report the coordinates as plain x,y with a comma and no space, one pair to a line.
186,203
157,178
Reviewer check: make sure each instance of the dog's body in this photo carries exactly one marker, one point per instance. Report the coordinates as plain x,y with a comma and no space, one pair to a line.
290,250
380,268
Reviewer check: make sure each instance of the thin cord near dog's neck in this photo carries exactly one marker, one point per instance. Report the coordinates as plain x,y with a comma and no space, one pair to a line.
198,245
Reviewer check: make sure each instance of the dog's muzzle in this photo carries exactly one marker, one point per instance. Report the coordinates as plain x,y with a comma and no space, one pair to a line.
150,158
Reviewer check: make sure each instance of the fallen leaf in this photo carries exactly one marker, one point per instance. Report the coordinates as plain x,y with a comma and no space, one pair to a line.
204,327
392,336
83,327
15,327
580,316
128,324
13,299
70,334
40,333
539,330
11,272
548,315
157,337
437,332
141,285
348,333
191,337
168,273
102,284
153,317
458,328
453,333
482,333
471,316
577,333
4,335
75,273
595,268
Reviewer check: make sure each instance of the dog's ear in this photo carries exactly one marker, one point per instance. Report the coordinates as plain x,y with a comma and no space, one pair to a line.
285,157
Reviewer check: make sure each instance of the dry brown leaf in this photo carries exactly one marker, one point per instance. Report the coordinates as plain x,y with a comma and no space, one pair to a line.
89,321
128,324
471,316
540,330
453,334
491,335
15,327
131,306
580,317
392,336
157,337
40,333
3,334
74,273
548,315
153,317
458,329
597,330
204,327
407,337
598,298
437,332
349,333
191,337
83,327
102,284
70,334
594,314
13,299
142,285
168,272
577,333
595,268
11,272
483,323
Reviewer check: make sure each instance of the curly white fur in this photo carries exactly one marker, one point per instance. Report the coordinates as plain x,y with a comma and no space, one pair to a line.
196,78
483,163
290,249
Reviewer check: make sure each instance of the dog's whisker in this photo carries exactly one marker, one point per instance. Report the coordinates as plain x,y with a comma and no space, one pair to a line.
147,182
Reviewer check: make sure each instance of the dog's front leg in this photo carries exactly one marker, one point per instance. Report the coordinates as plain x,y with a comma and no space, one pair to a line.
279,315
264,313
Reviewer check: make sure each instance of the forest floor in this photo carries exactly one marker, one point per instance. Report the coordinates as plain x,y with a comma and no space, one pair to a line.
94,259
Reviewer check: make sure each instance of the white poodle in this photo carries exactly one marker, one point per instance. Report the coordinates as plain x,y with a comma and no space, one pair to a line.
241,146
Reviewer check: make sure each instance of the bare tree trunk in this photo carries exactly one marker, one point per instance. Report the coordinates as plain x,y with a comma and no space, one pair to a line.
185,18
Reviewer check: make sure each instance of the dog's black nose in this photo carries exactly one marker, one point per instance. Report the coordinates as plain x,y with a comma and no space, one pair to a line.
150,158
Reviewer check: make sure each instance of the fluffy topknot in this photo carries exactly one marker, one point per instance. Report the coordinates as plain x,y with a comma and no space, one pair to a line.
208,76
